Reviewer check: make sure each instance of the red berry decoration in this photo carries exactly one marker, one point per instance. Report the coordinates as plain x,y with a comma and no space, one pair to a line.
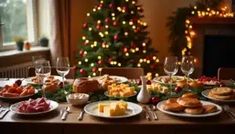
154,100
116,37
94,69
18,82
178,89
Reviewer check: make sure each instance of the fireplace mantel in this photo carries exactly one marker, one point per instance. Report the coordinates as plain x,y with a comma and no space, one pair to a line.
209,26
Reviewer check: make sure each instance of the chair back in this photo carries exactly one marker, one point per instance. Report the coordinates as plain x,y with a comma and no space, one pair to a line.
226,73
71,75
129,72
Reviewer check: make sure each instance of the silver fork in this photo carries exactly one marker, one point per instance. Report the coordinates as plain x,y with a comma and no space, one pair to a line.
153,108
229,112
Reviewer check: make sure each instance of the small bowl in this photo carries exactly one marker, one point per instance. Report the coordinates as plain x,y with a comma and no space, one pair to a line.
77,98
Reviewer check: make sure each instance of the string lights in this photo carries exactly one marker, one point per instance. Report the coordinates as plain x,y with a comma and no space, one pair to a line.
190,33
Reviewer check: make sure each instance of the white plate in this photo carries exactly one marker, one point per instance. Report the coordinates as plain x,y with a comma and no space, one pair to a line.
19,97
53,106
106,94
29,79
119,79
132,110
176,78
206,92
160,107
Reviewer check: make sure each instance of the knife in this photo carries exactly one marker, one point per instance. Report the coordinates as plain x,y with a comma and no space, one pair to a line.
80,117
65,113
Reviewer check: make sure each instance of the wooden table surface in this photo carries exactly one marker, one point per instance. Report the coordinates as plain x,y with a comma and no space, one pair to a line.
51,123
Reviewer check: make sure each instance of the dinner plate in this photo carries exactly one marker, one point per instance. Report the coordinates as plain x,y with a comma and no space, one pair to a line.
132,110
119,79
18,97
161,104
53,106
206,92
28,80
106,94
174,78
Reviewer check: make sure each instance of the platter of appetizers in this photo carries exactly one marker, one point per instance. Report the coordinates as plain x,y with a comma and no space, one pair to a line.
34,106
113,109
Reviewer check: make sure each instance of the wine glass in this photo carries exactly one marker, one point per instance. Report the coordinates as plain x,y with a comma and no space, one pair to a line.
171,66
62,67
187,65
42,70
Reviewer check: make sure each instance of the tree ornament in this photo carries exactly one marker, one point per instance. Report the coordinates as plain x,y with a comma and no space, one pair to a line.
94,69
107,20
82,72
111,6
116,37
85,25
101,5
98,27
81,53
115,23
100,62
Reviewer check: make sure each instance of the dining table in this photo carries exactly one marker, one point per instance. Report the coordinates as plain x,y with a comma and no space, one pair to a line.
51,123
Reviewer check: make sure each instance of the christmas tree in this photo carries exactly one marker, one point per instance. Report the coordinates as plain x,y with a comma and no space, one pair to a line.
115,36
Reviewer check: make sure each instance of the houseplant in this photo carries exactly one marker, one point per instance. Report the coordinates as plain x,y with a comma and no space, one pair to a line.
19,43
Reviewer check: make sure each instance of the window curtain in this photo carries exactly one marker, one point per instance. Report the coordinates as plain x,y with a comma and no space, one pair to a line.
60,41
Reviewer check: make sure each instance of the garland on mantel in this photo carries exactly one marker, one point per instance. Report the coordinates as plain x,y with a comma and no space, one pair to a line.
181,29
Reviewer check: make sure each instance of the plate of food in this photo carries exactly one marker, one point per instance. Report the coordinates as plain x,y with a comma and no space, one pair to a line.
15,92
120,91
208,81
111,79
113,109
221,94
188,105
34,107
168,80
38,80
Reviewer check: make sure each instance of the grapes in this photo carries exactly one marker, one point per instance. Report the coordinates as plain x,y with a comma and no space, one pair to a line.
154,100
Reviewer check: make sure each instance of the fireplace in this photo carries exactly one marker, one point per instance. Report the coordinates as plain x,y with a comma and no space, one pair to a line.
219,51
213,45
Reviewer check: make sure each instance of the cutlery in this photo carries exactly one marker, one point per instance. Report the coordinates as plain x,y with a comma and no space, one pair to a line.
154,108
152,112
229,111
147,114
65,113
3,112
80,116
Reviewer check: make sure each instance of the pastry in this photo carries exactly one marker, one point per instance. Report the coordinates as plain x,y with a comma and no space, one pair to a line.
221,97
172,105
209,108
171,100
85,86
189,95
223,91
189,102
197,110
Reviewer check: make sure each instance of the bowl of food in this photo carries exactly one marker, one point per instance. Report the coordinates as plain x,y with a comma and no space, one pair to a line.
77,98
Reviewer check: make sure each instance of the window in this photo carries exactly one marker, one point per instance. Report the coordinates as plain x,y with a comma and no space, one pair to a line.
17,19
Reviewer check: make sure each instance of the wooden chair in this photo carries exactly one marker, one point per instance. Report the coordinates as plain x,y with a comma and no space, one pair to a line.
71,75
129,72
226,73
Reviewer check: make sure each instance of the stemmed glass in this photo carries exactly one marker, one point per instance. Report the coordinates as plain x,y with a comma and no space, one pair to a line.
171,66
62,67
187,66
42,70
